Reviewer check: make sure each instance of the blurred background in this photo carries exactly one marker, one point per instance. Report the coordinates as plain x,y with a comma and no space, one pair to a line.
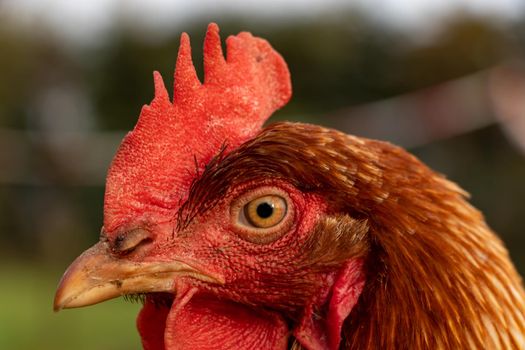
444,79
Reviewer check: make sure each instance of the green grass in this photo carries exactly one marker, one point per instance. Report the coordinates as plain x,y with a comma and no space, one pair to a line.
27,320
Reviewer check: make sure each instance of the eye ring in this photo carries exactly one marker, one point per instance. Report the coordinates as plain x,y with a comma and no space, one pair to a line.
263,215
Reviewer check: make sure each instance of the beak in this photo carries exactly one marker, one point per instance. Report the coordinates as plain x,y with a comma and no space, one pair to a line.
97,275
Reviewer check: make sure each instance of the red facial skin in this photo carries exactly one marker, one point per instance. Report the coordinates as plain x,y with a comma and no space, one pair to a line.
253,306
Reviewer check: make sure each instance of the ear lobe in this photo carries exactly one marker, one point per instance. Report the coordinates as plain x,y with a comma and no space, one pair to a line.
324,332
345,293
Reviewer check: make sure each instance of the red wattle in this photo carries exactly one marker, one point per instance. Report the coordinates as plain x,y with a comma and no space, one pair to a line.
321,333
205,323
151,324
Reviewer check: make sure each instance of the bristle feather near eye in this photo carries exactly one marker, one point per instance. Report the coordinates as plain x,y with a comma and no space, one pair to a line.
189,209
157,299
135,298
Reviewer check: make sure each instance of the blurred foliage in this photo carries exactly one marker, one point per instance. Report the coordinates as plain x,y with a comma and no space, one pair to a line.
336,61
28,322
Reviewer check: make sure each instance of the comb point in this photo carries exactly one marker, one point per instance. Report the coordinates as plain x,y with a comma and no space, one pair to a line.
186,79
213,56
212,28
161,93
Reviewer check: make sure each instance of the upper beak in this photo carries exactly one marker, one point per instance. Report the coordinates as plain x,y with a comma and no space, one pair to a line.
97,275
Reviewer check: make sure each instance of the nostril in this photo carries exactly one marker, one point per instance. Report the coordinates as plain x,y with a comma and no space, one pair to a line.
130,241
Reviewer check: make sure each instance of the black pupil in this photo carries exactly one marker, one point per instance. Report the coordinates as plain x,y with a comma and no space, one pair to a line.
265,210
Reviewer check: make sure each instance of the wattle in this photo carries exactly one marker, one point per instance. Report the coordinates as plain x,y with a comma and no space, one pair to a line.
201,322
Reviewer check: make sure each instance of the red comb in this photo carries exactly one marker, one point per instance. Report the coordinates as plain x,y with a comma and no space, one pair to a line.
155,164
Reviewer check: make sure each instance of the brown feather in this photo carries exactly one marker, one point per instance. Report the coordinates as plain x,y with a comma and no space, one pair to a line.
438,277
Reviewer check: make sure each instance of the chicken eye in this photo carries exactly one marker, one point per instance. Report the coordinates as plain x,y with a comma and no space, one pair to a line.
263,215
266,211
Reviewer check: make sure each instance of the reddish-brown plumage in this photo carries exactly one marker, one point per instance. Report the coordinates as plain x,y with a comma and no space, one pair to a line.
437,276
373,250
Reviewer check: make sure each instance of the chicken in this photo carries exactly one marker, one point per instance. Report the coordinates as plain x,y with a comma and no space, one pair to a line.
292,236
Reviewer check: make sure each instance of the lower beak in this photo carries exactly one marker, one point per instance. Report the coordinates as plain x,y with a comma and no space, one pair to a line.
97,275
